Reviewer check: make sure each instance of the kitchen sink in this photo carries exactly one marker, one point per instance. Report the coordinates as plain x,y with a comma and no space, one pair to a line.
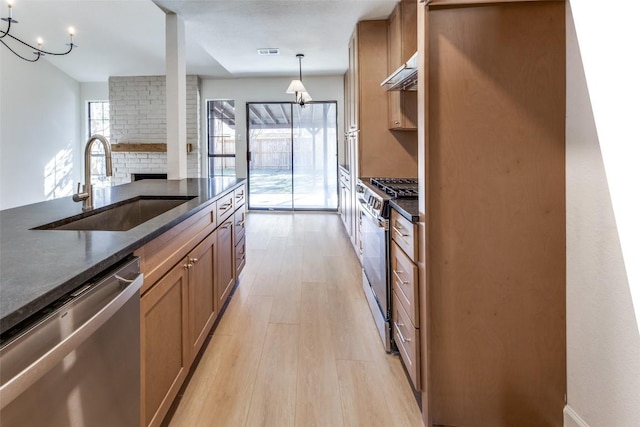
121,216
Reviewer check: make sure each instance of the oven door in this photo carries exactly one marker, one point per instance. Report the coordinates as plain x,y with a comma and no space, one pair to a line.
374,258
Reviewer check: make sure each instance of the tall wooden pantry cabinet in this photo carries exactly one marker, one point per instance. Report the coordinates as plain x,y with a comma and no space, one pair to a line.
491,131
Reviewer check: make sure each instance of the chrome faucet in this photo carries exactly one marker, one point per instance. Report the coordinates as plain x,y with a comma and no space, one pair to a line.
86,194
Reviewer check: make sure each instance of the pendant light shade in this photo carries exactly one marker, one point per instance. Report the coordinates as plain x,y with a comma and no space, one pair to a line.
297,88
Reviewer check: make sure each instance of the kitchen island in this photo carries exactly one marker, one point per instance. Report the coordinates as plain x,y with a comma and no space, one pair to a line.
37,267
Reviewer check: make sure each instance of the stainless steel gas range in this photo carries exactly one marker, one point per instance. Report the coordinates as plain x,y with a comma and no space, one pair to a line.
374,195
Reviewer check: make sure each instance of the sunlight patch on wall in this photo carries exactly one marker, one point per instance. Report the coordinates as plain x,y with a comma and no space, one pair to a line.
611,67
58,175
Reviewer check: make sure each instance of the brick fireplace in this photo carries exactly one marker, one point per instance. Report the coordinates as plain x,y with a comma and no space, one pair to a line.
138,114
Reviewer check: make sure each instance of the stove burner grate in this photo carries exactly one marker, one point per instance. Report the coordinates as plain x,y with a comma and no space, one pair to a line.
397,187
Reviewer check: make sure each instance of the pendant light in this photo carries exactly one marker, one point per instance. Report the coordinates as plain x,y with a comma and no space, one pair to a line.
297,88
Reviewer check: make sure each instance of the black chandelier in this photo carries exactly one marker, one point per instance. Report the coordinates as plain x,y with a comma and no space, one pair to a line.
36,50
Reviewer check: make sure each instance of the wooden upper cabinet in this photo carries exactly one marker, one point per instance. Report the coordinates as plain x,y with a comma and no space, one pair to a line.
402,43
377,152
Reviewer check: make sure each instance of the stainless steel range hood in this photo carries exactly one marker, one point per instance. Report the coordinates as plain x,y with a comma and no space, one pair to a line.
405,77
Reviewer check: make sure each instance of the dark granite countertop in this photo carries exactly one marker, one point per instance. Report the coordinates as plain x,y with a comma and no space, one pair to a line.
39,266
408,208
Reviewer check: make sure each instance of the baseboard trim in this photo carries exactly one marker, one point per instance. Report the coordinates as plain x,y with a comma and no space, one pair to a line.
572,419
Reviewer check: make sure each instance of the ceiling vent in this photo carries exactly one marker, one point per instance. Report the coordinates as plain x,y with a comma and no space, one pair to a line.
269,51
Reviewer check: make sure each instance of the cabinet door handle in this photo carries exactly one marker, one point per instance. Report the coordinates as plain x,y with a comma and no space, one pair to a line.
227,224
193,260
225,206
399,232
240,223
402,338
402,282
187,266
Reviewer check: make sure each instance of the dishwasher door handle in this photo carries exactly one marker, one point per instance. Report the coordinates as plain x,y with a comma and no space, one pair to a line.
36,370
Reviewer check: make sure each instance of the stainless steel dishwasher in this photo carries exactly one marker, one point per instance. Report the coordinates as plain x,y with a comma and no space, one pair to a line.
77,364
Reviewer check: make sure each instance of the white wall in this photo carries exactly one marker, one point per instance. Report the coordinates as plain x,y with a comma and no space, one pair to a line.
603,343
39,131
329,88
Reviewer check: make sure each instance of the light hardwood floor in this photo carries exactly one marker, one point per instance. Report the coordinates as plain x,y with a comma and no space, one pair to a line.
297,345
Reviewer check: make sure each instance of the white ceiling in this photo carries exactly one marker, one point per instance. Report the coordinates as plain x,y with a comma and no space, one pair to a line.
118,37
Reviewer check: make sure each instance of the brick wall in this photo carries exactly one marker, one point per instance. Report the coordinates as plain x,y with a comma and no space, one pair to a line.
138,113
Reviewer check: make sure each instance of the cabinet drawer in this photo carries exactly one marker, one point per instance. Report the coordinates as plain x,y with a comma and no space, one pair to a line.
225,208
345,178
238,224
240,196
241,256
404,234
160,255
225,269
404,277
407,340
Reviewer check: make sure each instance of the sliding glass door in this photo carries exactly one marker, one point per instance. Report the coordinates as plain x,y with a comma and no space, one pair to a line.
292,152
270,155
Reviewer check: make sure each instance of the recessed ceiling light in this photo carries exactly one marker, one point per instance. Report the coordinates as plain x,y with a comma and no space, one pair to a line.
269,51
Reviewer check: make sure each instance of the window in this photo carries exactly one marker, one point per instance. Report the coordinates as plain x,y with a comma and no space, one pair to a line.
98,116
221,137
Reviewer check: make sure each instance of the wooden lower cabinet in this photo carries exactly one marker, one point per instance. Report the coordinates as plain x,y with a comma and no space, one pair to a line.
202,301
241,256
177,314
179,306
346,209
225,260
404,280
225,208
407,339
239,224
239,232
345,200
403,232
406,307
164,349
